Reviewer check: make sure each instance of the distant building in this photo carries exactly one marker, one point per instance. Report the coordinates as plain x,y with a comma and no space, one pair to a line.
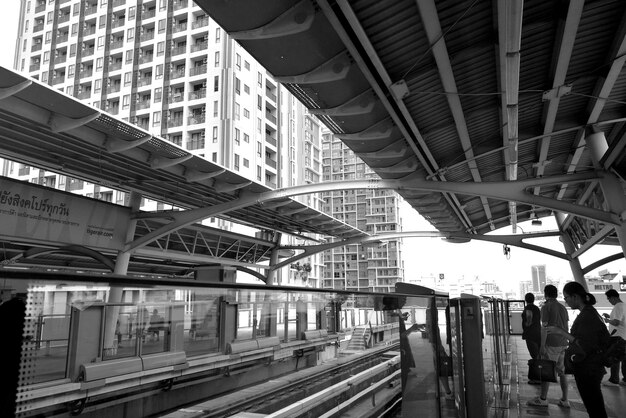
538,278
525,287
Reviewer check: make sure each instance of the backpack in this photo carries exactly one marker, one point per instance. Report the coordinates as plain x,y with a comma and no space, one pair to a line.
614,352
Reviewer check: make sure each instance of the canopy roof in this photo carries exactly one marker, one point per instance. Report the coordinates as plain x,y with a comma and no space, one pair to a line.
456,91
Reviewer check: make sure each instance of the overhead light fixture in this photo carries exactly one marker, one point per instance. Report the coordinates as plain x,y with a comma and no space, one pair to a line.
536,222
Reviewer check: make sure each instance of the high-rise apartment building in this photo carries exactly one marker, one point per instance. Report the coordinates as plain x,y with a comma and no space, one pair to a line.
538,278
359,267
166,67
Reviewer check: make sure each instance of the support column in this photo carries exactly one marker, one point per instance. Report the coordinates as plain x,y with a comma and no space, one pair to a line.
271,272
610,184
570,248
121,267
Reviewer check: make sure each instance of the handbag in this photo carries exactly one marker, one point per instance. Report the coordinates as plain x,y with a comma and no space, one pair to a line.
445,366
574,353
542,370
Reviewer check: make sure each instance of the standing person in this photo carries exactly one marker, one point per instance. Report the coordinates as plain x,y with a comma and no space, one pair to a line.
531,326
617,327
552,346
589,333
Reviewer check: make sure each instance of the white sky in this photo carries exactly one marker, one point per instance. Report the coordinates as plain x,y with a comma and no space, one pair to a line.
424,256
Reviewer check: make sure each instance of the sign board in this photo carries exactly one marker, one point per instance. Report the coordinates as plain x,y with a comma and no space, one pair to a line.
47,215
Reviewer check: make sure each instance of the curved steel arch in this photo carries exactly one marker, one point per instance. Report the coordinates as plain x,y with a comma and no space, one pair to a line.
71,249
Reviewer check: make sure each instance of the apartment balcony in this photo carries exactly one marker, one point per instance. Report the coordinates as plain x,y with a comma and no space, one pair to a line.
146,59
116,44
270,117
146,37
175,98
84,95
118,23
198,94
270,162
34,67
180,5
143,104
148,14
196,119
113,89
113,110
85,73
63,19
115,66
180,27
87,52
23,171
199,46
38,27
179,50
40,8
57,80
143,125
90,10
146,81
270,184
200,23
63,1
197,70
60,60
90,31
177,74
62,38
270,95
174,122
270,140
35,48
118,3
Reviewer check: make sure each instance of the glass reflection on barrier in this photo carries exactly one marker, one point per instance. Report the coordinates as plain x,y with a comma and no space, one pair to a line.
199,326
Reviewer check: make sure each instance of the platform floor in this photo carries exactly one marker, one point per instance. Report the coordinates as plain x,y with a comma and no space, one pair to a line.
521,391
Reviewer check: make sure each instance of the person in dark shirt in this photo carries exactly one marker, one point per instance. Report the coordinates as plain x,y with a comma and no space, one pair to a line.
589,333
531,326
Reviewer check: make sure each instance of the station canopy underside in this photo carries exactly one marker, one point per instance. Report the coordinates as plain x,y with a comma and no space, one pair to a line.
456,91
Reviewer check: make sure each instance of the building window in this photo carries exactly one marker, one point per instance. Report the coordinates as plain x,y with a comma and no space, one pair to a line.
259,149
214,157
238,61
99,63
258,125
130,33
74,28
160,48
131,12
237,86
159,71
246,138
216,83
215,109
69,90
260,79
246,89
258,173
246,113
218,34
158,94
128,78
70,70
236,162
46,56
246,163
217,58
214,134
97,86
126,101
72,50
237,137
259,102
246,65
161,25
48,37
129,56
156,118
237,111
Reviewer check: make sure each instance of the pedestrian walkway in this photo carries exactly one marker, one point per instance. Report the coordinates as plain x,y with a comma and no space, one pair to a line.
522,392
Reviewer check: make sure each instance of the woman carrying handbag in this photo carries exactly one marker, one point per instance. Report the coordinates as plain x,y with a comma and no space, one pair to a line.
587,336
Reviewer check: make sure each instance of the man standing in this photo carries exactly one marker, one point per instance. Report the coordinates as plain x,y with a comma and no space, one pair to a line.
617,327
553,345
531,326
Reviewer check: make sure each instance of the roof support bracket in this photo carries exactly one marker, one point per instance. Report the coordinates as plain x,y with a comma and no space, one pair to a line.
295,20
118,145
10,91
359,105
380,130
158,163
223,187
193,175
332,70
60,123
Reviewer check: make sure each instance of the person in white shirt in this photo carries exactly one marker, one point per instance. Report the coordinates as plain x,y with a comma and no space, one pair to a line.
617,327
